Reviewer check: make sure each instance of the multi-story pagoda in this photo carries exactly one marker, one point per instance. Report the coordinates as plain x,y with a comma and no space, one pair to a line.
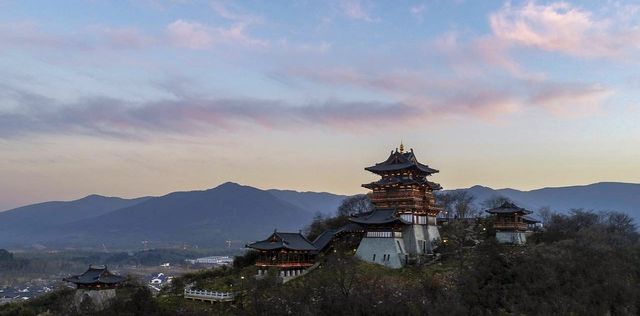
96,278
290,253
402,225
511,223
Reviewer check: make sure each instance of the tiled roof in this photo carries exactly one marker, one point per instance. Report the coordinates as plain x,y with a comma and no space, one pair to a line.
508,208
399,161
378,216
322,241
278,240
96,275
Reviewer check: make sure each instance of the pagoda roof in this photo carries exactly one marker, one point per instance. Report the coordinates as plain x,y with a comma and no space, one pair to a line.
530,219
323,240
508,208
279,240
399,160
400,180
94,275
378,216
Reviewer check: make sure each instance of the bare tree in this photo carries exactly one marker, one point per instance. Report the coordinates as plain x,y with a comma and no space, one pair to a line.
495,201
354,205
464,204
545,214
447,201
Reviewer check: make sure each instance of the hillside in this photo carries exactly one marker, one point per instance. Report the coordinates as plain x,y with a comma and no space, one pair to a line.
241,213
323,202
229,211
603,196
23,222
205,218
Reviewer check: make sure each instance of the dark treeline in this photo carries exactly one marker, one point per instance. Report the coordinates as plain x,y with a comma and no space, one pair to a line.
583,263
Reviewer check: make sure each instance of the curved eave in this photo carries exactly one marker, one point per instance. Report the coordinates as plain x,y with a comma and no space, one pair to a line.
279,247
382,168
378,222
493,211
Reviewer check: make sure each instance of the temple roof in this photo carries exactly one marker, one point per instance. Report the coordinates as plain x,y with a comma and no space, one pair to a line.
508,208
378,216
325,238
399,160
278,240
400,180
530,219
94,275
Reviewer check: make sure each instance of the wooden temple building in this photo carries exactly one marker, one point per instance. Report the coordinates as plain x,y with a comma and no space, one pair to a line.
290,253
402,225
96,278
512,223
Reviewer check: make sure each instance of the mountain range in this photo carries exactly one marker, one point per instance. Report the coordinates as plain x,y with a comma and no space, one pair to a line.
238,213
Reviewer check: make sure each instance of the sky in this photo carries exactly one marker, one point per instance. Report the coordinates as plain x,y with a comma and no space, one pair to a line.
132,98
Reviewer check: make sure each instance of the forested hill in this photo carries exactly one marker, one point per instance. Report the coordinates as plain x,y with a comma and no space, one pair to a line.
241,213
603,196
205,218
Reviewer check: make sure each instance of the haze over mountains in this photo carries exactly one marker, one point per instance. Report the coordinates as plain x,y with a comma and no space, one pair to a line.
239,213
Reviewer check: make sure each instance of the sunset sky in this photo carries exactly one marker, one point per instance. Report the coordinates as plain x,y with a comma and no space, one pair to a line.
132,98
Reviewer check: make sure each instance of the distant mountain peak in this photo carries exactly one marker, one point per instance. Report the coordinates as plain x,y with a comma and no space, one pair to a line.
94,196
229,184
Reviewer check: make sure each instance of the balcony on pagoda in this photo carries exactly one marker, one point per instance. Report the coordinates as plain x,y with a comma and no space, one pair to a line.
510,225
400,195
285,260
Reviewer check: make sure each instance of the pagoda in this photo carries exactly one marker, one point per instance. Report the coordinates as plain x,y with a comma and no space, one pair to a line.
290,253
402,225
511,223
96,278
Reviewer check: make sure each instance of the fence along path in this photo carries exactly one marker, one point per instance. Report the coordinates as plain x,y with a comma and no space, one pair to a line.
210,296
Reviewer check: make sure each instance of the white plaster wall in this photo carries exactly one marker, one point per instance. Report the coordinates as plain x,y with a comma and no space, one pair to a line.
381,246
516,238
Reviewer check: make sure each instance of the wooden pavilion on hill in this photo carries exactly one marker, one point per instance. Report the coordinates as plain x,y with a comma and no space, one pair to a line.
402,225
96,278
290,253
511,223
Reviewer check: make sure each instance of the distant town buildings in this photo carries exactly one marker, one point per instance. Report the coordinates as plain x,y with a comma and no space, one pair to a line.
212,260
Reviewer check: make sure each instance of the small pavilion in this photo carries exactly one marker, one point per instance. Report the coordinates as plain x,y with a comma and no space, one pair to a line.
96,278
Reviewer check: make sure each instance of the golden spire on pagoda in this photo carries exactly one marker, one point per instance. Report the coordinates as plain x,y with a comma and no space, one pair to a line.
401,147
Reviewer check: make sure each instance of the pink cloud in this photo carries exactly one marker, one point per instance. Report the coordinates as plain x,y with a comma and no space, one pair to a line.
562,27
128,37
570,100
195,35
191,35
355,10
185,115
418,10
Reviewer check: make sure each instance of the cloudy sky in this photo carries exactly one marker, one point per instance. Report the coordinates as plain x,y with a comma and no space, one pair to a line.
135,98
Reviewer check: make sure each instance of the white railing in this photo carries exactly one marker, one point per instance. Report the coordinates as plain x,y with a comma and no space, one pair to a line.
208,295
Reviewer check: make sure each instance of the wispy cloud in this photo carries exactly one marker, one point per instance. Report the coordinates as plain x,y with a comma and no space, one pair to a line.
570,100
355,10
111,117
568,29
195,35
418,10
485,97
